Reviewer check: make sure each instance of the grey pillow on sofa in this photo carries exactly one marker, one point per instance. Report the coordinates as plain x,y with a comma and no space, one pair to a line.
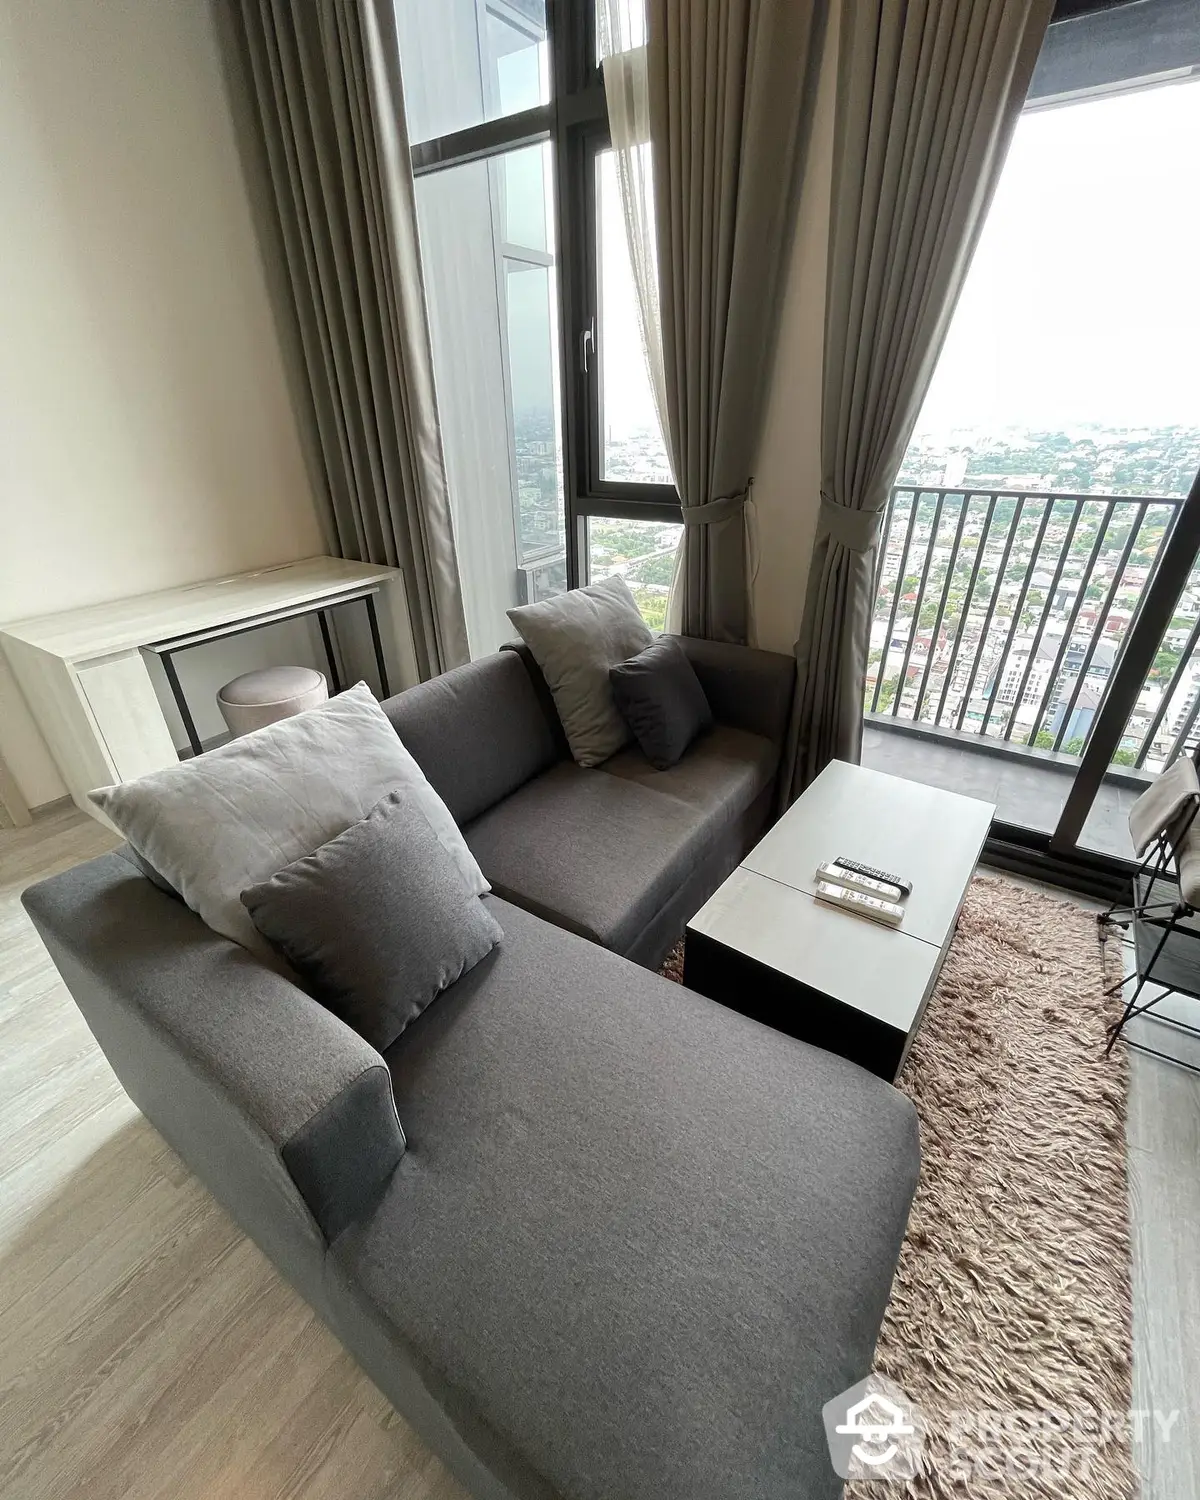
660,698
213,825
575,638
378,921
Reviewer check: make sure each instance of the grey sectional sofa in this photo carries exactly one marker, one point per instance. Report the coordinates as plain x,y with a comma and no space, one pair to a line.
624,854
628,1242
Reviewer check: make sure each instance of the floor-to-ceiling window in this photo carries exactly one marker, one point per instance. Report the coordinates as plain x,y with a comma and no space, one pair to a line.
1051,463
555,459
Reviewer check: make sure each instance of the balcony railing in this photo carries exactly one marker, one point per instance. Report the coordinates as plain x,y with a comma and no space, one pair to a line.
1002,613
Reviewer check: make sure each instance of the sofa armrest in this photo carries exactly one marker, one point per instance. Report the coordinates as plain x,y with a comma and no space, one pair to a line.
215,1047
746,688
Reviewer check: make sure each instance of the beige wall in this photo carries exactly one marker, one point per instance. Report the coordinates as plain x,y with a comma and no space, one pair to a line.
146,437
787,471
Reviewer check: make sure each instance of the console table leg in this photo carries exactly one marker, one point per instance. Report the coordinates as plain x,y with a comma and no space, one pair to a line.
334,676
185,712
384,690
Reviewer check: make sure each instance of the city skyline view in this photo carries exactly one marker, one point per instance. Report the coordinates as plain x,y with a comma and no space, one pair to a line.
1122,318
1004,617
1066,370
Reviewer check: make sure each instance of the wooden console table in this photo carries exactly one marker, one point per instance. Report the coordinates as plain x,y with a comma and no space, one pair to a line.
87,686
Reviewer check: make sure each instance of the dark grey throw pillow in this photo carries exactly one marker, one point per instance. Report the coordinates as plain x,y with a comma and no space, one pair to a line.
660,698
378,921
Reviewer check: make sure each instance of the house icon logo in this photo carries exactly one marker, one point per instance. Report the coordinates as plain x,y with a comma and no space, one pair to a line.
876,1422
874,1431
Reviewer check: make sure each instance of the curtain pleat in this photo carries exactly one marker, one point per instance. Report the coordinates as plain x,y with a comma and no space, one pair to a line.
320,110
928,95
731,92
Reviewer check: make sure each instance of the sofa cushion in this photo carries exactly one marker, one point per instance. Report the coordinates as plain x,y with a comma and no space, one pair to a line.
478,732
660,698
720,776
745,687
636,1237
594,853
378,921
230,818
576,637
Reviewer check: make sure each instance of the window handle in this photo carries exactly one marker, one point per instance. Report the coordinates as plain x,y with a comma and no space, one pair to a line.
587,345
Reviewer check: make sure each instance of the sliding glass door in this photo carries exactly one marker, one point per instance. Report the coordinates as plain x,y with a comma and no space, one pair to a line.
1037,616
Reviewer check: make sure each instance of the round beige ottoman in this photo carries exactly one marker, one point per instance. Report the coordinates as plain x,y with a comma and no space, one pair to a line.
258,698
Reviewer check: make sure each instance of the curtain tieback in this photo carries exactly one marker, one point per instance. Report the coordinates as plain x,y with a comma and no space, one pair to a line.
723,508
856,530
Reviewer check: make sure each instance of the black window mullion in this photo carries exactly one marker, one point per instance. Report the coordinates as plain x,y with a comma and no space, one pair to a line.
491,138
589,230
632,507
568,168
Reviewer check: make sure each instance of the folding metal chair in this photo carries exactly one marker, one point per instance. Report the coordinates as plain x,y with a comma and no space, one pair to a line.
1164,904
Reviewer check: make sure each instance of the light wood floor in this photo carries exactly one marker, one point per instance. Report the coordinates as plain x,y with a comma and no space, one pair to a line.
147,1349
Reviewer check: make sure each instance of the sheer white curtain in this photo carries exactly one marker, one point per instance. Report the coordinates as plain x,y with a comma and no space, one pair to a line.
622,26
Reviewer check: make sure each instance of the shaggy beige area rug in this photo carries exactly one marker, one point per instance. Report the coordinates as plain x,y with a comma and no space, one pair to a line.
1010,1320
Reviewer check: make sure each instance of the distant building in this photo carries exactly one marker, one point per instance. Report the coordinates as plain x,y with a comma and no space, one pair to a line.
1081,716
955,470
1039,676
978,712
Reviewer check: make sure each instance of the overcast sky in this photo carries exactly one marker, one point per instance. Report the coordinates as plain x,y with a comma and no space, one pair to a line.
1083,301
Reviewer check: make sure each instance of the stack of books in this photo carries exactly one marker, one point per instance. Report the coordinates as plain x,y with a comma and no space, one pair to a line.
863,890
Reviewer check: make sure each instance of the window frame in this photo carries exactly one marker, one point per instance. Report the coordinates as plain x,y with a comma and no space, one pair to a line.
652,502
513,253
575,123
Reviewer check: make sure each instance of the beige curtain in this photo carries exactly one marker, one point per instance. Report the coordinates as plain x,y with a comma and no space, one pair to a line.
731,87
927,98
320,112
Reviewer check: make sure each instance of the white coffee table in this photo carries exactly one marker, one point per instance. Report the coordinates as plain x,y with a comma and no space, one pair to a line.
763,945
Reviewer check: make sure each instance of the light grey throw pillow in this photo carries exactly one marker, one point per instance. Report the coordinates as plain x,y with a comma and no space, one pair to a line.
575,638
378,922
230,818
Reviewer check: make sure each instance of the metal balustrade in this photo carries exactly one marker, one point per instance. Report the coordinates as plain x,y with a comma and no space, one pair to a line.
1001,613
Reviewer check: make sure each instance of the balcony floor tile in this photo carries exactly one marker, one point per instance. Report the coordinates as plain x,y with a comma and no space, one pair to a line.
1025,792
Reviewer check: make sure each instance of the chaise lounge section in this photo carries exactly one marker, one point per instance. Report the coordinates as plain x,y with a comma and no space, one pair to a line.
626,1242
